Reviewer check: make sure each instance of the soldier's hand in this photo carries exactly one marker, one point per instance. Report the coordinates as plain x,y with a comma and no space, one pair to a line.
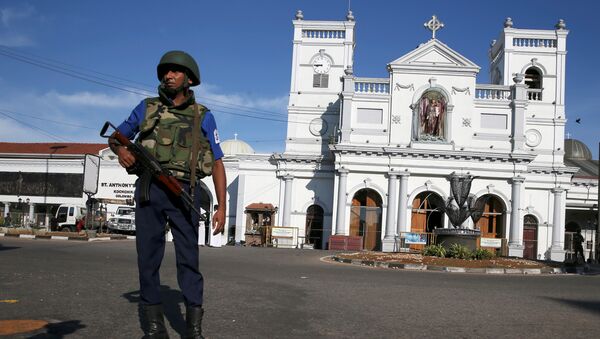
218,220
126,159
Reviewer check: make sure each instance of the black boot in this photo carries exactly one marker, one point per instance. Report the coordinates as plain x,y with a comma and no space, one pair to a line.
154,322
193,319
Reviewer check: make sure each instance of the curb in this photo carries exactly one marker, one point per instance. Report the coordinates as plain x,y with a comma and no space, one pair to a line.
449,269
61,237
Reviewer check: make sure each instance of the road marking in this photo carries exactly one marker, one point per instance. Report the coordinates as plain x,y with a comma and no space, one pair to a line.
9,301
8,327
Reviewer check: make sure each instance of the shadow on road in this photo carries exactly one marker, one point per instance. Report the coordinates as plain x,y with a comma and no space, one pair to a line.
591,306
171,299
59,330
6,248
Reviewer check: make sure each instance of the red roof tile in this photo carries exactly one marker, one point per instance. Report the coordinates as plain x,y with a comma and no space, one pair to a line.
51,148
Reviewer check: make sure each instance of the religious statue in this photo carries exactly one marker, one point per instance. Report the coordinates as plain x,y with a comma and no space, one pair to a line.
432,111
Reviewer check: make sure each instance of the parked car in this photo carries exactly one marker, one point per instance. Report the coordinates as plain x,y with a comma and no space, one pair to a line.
123,220
67,217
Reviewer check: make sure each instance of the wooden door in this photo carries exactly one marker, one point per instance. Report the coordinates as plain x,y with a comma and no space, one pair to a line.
491,222
530,225
530,243
418,220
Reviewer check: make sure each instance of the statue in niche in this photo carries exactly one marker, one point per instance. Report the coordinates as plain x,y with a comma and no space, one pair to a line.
432,114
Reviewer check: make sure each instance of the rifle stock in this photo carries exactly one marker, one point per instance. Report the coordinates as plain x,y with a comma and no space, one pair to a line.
146,167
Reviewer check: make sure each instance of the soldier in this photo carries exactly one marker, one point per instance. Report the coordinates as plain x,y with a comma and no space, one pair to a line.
182,135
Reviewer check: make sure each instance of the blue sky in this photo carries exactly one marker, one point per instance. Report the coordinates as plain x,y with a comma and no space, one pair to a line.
244,52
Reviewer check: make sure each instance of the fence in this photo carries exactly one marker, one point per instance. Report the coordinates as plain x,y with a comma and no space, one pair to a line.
23,219
413,241
416,241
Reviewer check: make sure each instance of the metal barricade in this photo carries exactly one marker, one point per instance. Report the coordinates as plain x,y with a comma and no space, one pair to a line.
414,241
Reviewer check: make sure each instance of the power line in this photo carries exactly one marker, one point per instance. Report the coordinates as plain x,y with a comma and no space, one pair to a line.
47,120
23,57
55,137
221,107
125,81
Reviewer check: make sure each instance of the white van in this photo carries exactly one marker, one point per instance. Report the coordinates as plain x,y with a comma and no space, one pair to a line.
123,220
67,217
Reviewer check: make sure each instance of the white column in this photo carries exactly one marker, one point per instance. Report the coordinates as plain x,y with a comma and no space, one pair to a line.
557,250
515,243
240,216
518,104
390,219
31,214
340,222
287,199
403,224
6,208
347,97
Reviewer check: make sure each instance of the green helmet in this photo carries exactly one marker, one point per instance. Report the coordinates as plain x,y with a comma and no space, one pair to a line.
182,59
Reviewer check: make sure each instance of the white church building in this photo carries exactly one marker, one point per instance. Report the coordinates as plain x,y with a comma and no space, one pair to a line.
370,158
364,156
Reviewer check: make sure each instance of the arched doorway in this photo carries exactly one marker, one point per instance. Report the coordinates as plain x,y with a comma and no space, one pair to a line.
427,214
530,227
491,223
365,218
314,226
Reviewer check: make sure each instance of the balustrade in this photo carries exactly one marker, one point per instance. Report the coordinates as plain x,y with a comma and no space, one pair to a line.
533,42
534,94
323,34
372,87
492,92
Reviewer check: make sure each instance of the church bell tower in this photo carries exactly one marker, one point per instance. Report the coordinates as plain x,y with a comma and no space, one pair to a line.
322,50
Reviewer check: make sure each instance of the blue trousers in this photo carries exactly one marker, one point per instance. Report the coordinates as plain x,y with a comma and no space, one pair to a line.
150,219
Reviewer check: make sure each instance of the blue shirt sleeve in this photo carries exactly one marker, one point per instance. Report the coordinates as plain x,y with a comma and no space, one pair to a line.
209,128
131,126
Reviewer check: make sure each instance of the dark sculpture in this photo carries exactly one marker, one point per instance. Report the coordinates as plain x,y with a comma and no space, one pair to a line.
459,207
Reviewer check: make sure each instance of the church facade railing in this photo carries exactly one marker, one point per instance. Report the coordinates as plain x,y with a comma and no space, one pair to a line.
492,92
534,42
323,34
534,94
372,86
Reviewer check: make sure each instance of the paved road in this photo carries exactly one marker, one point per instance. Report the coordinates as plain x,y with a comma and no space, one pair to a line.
89,290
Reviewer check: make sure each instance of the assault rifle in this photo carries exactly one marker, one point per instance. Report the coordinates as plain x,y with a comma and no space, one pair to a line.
146,167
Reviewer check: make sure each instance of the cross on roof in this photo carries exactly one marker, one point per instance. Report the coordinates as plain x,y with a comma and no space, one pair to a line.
433,25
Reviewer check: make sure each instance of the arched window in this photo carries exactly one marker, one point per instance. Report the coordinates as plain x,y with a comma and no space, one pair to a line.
533,80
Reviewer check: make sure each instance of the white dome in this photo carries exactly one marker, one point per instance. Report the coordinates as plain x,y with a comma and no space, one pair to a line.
235,146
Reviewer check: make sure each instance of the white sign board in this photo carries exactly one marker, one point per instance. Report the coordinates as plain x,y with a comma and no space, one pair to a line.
282,232
91,169
286,237
490,242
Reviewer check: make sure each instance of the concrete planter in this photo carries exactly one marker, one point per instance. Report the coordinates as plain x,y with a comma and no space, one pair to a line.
462,236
